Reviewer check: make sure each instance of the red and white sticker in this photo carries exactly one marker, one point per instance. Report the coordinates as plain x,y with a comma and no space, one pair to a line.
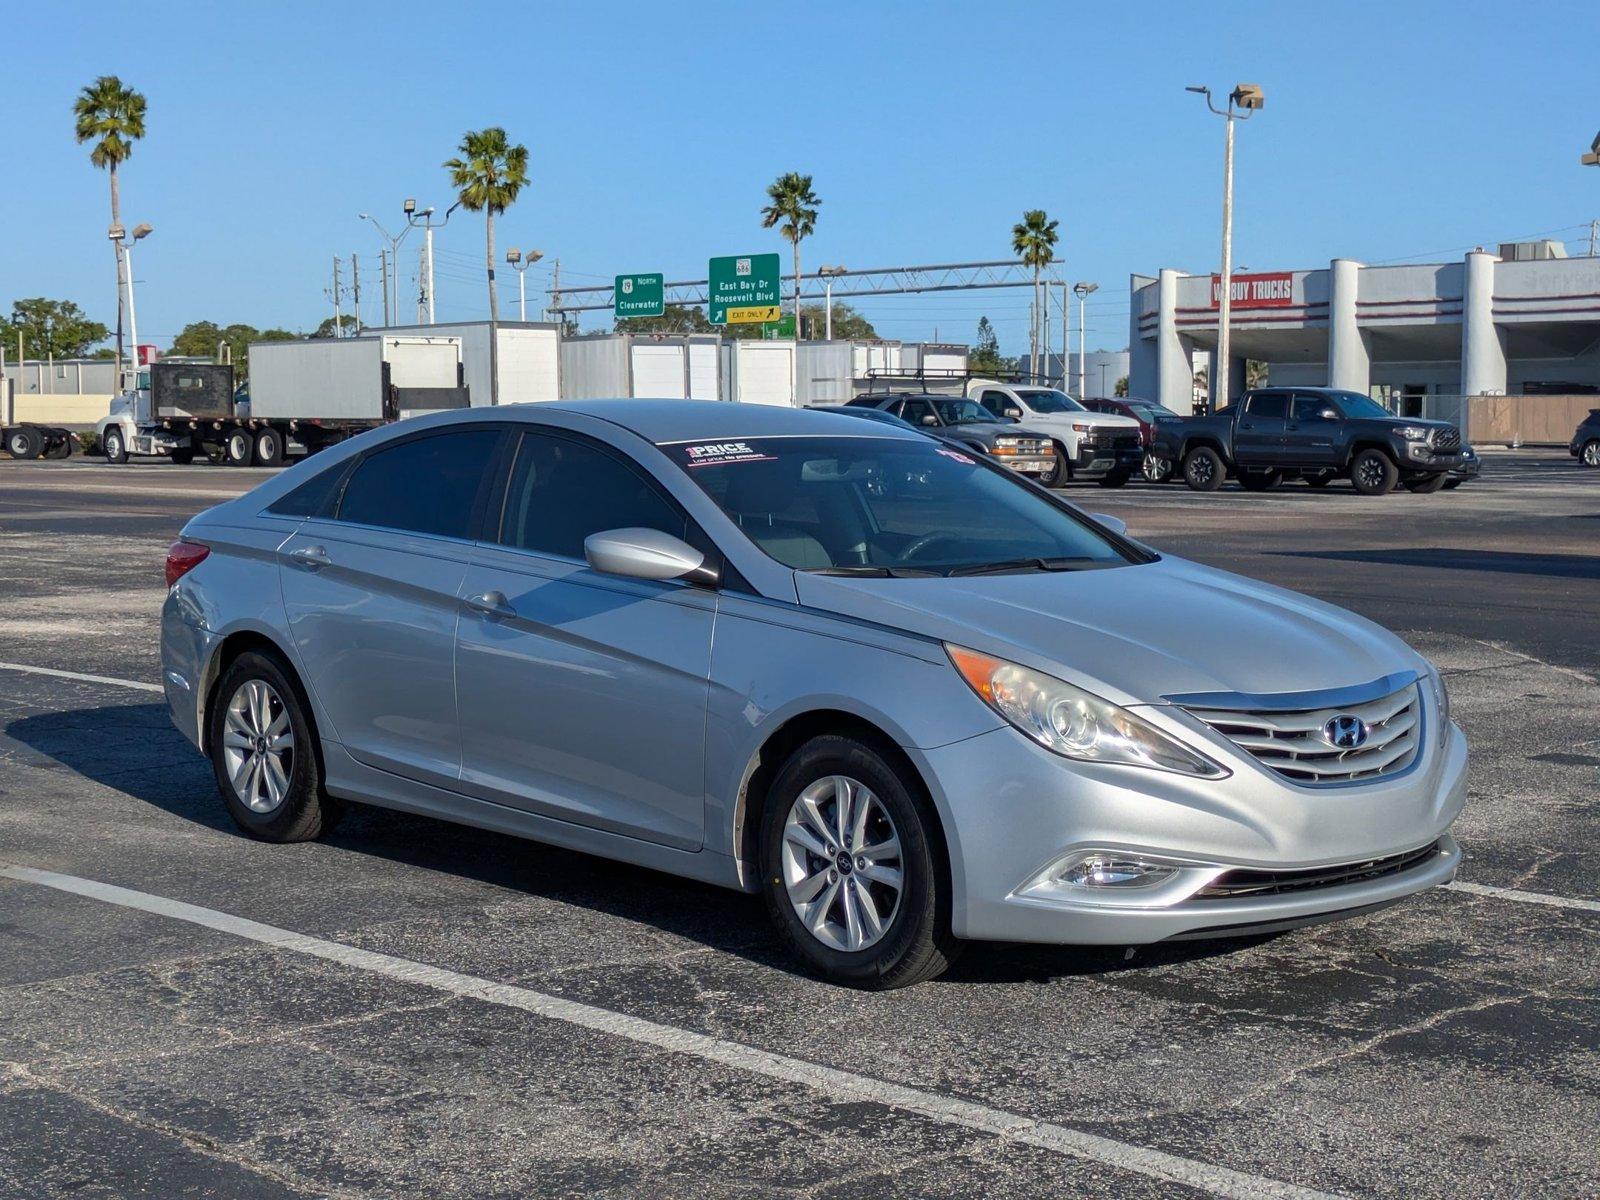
955,454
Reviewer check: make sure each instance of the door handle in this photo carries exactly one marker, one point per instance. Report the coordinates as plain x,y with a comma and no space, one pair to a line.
490,604
310,557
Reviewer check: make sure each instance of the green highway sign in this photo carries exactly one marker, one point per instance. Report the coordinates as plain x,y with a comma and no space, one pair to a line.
639,296
741,283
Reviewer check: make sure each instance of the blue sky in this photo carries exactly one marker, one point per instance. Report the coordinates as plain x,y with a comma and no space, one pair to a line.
1392,131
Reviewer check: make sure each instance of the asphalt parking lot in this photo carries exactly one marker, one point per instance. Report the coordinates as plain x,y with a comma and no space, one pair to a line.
411,1008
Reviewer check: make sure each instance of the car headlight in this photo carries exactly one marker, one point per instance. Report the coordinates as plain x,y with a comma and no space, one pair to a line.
1441,700
1071,721
1412,433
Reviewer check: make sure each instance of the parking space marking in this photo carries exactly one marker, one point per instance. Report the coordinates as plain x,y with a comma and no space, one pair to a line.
53,673
1521,897
834,1084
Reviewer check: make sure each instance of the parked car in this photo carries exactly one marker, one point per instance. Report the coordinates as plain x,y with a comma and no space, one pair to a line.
940,704
1586,440
1147,413
1087,444
1315,434
963,423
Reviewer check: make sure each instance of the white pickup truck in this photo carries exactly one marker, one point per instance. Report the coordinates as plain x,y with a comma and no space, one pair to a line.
1087,444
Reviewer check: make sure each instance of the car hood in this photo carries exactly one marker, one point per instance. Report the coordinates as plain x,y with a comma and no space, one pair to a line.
1133,634
1099,420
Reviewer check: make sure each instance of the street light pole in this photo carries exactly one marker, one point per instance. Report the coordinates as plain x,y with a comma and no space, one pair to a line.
427,233
1244,100
124,248
522,262
828,274
1083,290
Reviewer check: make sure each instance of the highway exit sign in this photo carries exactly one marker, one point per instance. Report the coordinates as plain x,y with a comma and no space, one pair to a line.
639,296
743,288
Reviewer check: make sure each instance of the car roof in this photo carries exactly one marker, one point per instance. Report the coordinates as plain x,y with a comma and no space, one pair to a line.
691,420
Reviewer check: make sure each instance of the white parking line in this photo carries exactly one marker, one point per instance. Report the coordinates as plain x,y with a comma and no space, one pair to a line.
834,1084
106,679
1522,897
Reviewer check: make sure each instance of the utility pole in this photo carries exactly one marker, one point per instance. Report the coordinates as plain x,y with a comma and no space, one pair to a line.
1245,99
555,282
355,286
383,263
333,294
425,290
1594,236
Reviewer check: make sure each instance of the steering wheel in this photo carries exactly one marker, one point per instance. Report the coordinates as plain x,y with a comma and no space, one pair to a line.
922,543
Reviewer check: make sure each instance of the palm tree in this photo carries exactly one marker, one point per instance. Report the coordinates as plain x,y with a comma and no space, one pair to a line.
1033,240
487,176
111,115
795,204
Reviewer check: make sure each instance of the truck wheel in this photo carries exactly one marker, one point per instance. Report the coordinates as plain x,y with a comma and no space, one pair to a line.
1203,469
238,448
115,447
1057,474
1374,473
182,457
269,447
1116,478
60,450
1427,485
24,444
1260,481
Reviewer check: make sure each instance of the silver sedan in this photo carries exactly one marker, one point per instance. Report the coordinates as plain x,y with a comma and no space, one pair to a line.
907,696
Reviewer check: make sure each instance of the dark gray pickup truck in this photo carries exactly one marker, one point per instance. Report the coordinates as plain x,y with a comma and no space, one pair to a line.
1315,434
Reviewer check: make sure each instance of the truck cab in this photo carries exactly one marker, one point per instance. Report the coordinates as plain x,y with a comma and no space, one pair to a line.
1086,444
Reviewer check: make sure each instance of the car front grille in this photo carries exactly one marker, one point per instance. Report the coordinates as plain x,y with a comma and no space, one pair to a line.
1232,885
1023,447
1296,743
1121,440
1447,439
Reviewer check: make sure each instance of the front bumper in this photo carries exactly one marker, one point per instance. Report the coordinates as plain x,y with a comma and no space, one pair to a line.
1093,457
1012,809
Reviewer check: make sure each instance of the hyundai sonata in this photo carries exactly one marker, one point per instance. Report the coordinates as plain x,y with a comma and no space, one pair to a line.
907,696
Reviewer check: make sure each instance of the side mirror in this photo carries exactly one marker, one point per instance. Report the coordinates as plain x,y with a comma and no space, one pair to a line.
643,554
1013,412
1328,414
930,419
1116,524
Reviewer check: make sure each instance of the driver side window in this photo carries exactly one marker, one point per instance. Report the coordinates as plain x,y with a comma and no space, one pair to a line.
917,411
1312,408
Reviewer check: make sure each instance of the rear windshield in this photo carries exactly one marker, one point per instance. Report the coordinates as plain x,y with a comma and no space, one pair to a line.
891,506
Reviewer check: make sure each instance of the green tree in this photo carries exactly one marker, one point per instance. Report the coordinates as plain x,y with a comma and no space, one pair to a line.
50,327
677,318
1033,240
1121,387
345,327
488,174
111,115
793,209
985,356
847,322
207,339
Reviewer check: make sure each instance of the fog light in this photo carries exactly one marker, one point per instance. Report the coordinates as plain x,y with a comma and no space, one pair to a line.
1102,870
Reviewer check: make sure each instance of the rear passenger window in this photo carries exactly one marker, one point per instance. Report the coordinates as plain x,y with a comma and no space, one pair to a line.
1269,407
428,485
315,497
562,490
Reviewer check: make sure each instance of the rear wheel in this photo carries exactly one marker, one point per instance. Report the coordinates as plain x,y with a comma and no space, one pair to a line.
269,447
1427,485
1203,469
264,755
1116,478
114,445
1374,473
1259,481
24,444
238,448
849,869
1057,473
1590,455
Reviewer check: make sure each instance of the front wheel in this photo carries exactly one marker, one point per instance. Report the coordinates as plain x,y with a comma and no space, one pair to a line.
1590,454
849,869
115,445
1056,474
1374,473
1427,485
1203,469
1116,478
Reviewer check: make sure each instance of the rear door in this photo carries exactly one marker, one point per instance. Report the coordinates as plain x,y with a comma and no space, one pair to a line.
1258,433
583,695
372,591
1310,438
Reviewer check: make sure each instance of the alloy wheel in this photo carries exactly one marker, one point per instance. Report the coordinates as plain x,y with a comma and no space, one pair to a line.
1591,454
842,864
258,746
1371,473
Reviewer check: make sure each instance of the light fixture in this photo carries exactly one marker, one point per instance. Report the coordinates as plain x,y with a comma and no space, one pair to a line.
410,206
513,256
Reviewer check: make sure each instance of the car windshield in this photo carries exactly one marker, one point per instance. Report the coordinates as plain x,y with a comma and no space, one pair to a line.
890,507
963,412
1049,400
1153,412
1355,405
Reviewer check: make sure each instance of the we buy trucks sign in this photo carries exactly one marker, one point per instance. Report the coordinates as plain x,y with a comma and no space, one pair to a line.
1271,289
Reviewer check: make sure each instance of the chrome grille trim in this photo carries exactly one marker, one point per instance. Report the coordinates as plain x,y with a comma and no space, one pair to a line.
1290,740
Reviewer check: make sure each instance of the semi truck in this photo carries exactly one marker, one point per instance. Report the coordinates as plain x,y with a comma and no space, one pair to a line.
302,396
29,439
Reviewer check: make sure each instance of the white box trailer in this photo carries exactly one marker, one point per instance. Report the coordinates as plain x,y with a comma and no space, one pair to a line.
658,366
759,372
366,380
935,361
527,356
836,372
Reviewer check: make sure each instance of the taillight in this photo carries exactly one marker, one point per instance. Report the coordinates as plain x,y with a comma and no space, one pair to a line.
183,557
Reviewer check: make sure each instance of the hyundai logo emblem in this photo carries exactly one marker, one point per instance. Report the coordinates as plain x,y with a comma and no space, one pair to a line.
1345,731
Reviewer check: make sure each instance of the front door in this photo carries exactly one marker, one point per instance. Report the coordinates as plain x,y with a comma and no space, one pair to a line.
583,695
1258,434
371,595
1312,432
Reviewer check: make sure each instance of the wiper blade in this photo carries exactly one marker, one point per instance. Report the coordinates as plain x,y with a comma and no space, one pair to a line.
874,572
1019,564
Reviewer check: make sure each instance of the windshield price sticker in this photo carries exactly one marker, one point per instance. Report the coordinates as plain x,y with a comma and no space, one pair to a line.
719,453
955,454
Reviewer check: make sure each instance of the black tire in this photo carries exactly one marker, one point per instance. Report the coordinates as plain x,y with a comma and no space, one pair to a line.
1427,485
114,446
60,450
1320,481
306,810
1373,473
1451,484
1260,481
182,457
1203,469
1059,471
24,444
269,447
238,448
1156,470
1117,478
1589,453
917,943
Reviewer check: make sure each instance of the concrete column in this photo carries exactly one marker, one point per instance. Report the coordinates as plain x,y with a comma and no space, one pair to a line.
1174,375
1483,344
1349,360
1236,377
1141,350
